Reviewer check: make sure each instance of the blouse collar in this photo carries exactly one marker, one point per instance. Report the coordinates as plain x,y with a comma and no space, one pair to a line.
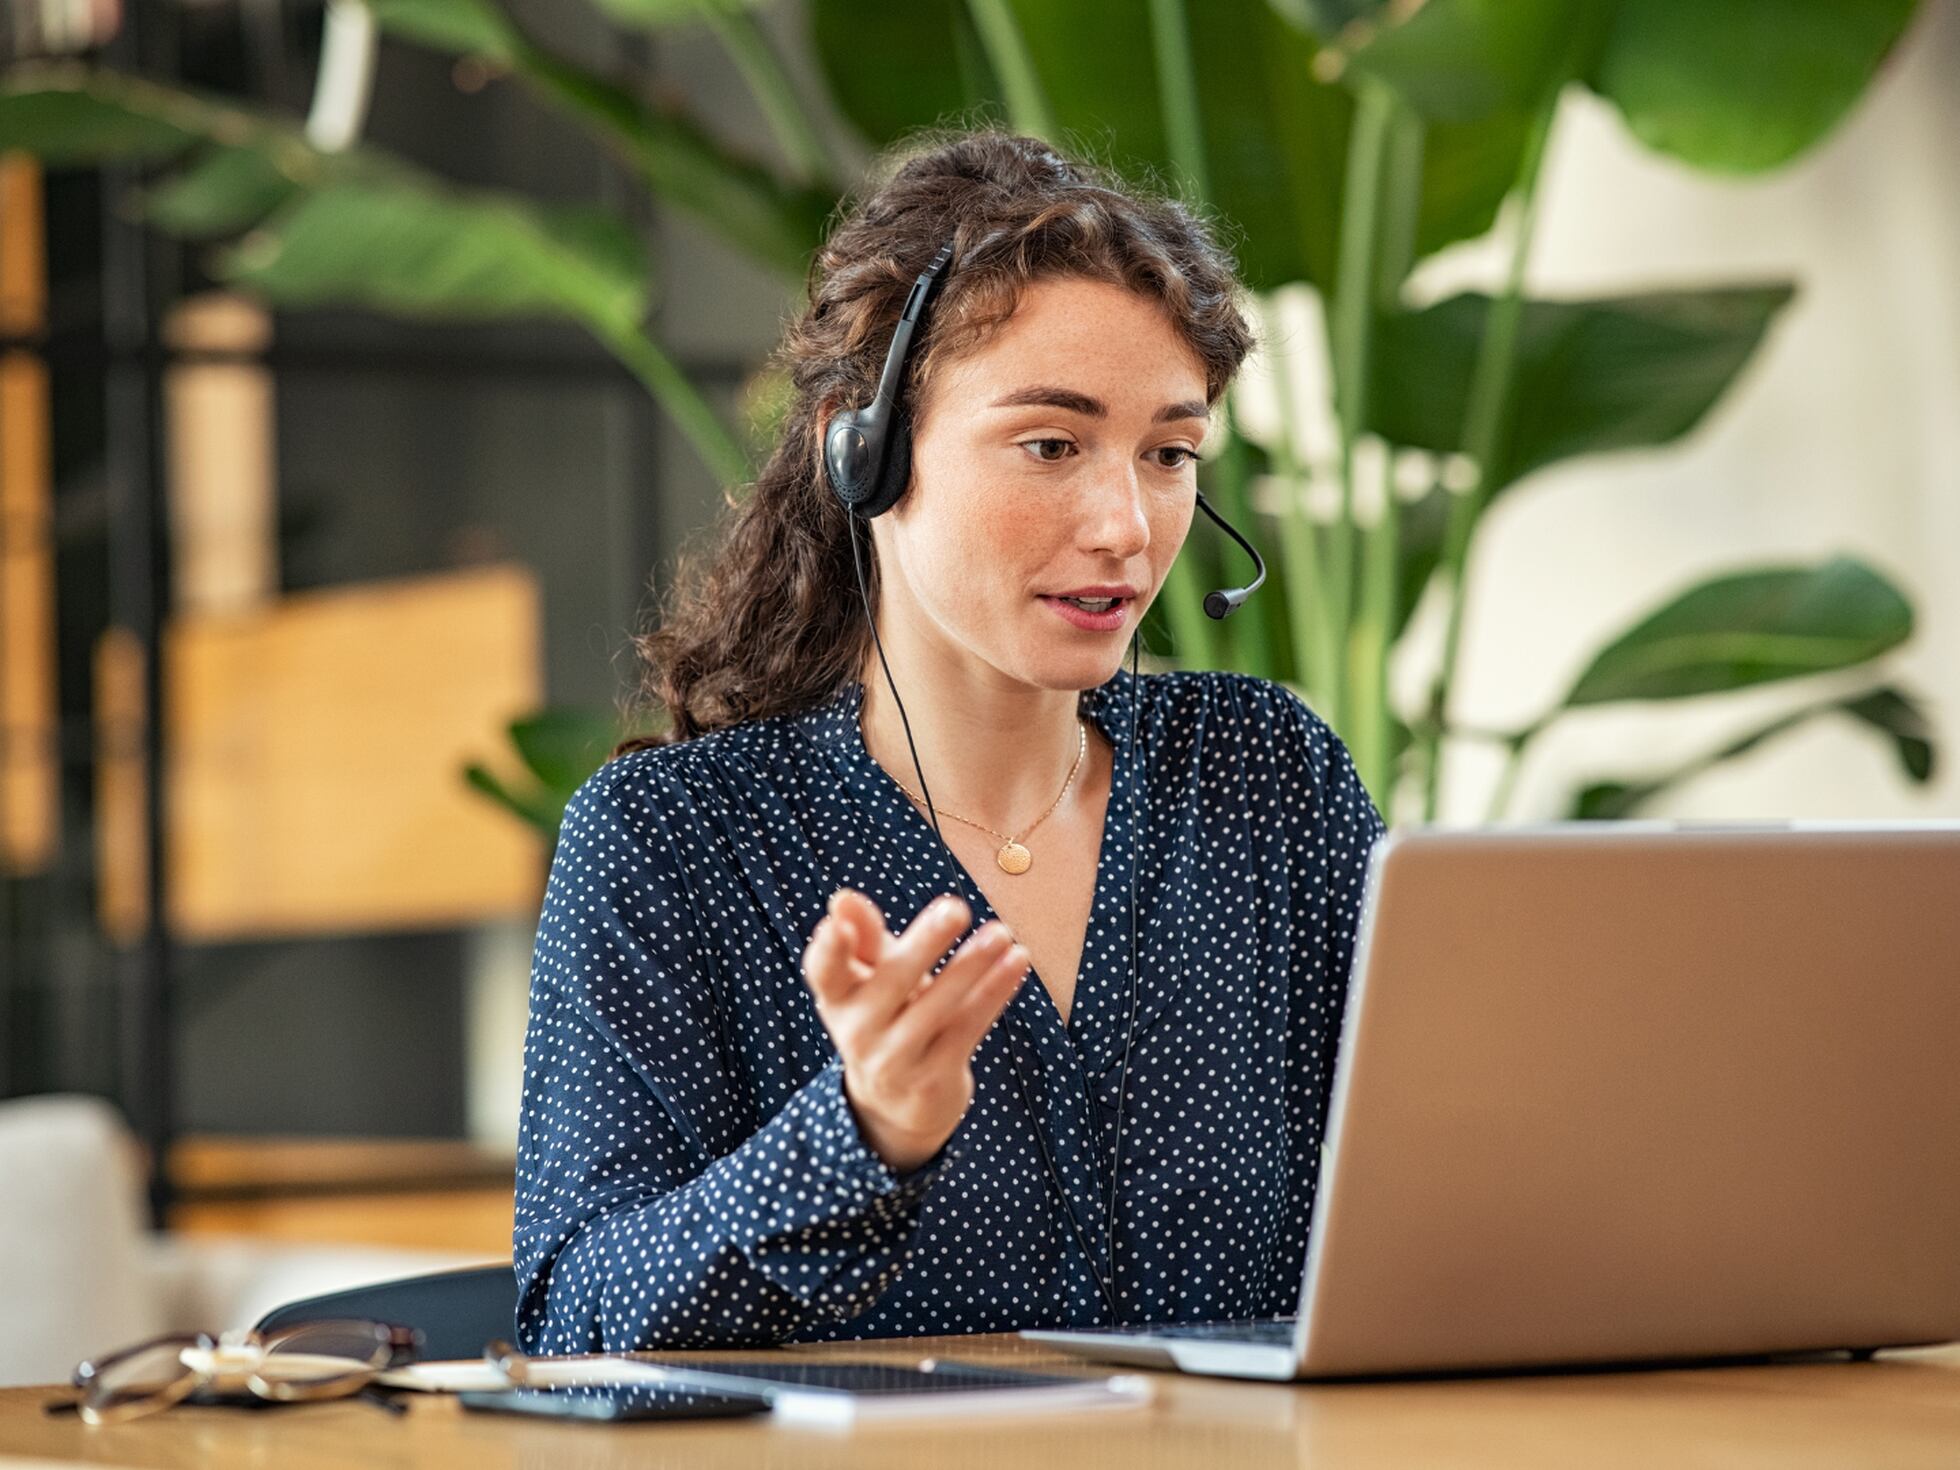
834,722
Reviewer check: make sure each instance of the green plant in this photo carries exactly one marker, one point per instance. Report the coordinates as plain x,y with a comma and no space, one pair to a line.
558,748
1342,142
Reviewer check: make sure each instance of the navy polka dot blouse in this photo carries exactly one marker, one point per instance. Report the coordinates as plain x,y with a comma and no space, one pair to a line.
689,1170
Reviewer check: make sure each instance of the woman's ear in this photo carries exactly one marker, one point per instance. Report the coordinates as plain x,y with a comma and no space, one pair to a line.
898,454
820,427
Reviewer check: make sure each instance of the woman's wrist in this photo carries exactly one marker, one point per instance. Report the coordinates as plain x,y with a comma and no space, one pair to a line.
900,1150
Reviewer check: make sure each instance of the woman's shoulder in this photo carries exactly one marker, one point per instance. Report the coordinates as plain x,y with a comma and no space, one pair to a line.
1224,696
1263,727
701,773
639,789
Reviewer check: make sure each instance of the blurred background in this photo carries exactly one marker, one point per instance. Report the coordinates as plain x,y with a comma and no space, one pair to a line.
364,367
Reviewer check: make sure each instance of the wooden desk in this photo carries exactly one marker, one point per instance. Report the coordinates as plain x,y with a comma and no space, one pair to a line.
1900,1411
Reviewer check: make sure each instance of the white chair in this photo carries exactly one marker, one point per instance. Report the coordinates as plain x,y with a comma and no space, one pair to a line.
81,1273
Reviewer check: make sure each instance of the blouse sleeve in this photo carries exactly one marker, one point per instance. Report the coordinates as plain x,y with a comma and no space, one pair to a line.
654,1208
1330,836
1332,826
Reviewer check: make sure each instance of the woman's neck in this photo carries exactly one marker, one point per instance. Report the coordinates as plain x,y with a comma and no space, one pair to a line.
994,751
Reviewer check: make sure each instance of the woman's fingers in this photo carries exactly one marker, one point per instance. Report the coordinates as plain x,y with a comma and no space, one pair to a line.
908,957
845,946
912,1031
827,964
884,1008
976,1009
864,930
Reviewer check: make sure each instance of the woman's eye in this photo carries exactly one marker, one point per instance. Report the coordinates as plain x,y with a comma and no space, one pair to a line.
1053,451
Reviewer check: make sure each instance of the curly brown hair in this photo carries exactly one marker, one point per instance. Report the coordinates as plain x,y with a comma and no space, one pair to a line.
775,622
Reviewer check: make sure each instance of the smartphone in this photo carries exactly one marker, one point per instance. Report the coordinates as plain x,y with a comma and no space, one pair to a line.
615,1402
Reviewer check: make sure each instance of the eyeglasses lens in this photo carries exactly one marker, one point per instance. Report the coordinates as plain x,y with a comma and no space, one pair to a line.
143,1378
320,1358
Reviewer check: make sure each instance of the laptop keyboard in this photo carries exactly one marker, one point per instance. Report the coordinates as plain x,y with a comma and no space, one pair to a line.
877,1379
1263,1330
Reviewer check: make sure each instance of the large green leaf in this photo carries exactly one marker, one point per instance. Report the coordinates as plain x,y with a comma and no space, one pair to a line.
82,115
338,227
659,14
1890,711
776,222
1618,373
1276,141
1467,170
1751,628
473,27
1743,85
1275,138
1731,85
54,112
1327,17
561,746
69,114
894,66
537,808
361,228
1462,60
226,191
402,246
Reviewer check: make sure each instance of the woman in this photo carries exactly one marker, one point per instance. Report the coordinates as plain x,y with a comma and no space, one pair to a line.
753,1113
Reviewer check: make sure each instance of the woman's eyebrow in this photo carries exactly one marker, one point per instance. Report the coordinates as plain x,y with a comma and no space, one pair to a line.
1094,408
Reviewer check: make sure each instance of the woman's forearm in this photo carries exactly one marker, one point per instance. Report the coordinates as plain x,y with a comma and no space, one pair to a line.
800,1224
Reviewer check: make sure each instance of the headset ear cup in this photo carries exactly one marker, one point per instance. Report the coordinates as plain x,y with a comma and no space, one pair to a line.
898,467
847,449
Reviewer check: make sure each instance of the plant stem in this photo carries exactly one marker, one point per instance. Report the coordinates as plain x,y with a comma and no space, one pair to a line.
1501,798
1191,626
1349,327
1515,742
1177,92
1317,655
774,91
1007,53
1399,191
1197,636
1486,419
1252,651
682,400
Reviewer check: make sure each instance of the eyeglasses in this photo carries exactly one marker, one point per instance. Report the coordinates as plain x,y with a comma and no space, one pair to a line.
310,1360
508,1359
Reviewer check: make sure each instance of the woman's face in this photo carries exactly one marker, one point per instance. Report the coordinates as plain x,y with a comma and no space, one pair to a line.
1057,456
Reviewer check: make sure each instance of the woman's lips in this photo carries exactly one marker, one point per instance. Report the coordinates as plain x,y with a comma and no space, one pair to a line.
1093,622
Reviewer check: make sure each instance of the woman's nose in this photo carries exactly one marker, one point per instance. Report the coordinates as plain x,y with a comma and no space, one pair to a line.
1119,523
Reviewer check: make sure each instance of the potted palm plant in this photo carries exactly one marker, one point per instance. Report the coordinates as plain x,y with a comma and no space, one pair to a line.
1341,143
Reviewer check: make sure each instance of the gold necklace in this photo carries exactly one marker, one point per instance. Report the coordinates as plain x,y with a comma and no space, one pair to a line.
1013,857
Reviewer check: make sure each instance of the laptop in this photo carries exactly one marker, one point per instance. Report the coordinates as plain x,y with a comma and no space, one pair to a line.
1628,1093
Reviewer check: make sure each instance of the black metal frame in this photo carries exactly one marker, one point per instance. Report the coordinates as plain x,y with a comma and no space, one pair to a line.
139,594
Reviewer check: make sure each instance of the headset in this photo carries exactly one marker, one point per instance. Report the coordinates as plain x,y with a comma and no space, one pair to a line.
867,463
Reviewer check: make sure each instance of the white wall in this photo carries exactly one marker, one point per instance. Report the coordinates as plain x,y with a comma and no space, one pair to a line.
1843,434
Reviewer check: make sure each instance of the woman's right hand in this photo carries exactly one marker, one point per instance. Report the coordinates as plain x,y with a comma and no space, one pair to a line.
906,1036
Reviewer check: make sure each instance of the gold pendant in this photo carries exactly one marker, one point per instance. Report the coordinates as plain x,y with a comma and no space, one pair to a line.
1014,858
